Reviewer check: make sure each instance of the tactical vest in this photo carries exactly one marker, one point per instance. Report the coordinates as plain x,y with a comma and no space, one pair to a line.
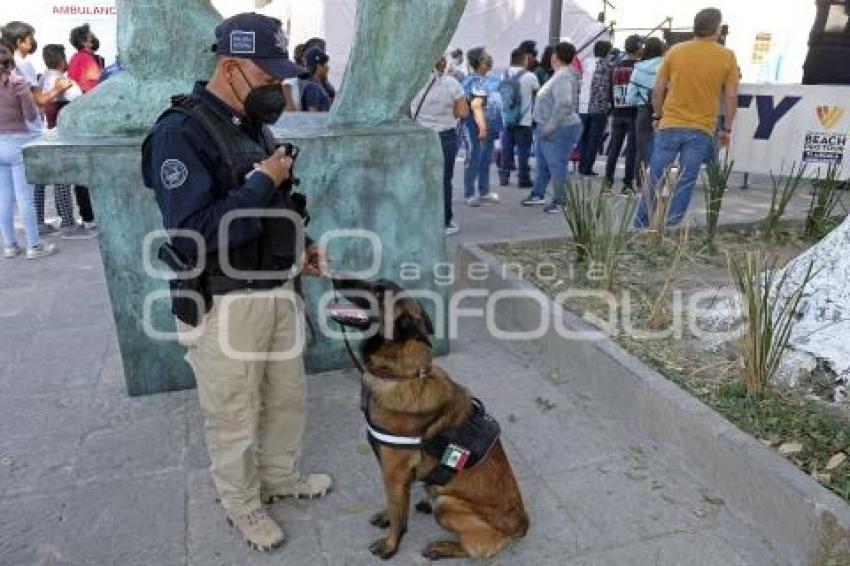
236,153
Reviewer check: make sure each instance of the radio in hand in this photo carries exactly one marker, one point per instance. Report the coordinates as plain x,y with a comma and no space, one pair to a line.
281,232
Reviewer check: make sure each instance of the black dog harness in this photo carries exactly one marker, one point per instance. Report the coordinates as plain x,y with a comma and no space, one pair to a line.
459,448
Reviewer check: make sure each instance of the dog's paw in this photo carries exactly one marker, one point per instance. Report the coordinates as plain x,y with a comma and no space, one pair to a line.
380,520
443,549
424,506
431,554
383,548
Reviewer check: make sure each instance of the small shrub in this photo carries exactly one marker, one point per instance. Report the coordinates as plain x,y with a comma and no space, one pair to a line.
784,190
714,187
612,237
659,312
769,307
826,196
600,231
581,210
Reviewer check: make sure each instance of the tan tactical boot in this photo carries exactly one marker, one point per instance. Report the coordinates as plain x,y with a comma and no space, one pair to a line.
305,486
258,530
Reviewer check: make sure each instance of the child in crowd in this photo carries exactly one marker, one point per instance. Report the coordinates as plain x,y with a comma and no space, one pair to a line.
57,65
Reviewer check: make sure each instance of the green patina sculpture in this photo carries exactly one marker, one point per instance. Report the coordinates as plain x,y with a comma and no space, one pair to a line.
395,48
365,166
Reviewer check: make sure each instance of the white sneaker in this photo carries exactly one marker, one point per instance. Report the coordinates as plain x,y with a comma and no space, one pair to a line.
12,251
452,228
258,529
490,198
473,202
41,250
90,225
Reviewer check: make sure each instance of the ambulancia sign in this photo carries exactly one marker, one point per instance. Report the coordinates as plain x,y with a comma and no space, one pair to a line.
82,9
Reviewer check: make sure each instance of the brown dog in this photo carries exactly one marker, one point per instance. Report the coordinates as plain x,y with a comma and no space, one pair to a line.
409,398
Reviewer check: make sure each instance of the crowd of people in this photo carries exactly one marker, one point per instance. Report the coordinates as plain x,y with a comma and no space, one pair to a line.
29,104
653,106
558,107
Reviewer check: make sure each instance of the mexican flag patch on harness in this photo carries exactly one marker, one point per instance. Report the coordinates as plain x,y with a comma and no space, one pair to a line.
455,457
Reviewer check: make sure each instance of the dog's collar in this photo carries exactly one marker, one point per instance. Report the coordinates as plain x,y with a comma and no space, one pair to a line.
422,373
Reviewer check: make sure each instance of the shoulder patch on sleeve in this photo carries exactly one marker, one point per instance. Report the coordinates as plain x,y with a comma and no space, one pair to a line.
173,173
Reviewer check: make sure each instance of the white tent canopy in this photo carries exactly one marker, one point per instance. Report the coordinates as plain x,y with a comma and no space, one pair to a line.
499,25
769,36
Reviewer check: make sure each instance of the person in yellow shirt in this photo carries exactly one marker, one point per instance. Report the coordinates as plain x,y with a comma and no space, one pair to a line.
685,103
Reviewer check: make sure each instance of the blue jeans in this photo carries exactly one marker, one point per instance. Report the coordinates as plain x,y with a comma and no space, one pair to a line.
14,187
479,155
593,130
449,142
519,137
553,157
693,148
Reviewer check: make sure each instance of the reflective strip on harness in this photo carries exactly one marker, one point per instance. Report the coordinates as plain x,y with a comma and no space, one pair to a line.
455,449
393,440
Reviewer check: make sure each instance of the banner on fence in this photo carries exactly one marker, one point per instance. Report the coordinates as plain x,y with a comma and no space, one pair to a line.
779,125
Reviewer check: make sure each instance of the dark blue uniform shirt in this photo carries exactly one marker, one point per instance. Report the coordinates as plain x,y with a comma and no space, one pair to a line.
180,165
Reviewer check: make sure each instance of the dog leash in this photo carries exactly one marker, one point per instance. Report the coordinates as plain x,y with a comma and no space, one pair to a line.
357,363
351,354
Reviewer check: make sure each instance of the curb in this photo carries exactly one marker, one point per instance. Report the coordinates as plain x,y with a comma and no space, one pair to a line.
810,524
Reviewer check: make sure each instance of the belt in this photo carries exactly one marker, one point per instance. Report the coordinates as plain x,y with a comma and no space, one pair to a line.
222,284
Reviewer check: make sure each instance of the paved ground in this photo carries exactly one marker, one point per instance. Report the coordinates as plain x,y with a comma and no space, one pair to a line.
90,476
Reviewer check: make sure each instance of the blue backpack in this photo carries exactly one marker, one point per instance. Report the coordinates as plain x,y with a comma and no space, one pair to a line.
493,108
510,92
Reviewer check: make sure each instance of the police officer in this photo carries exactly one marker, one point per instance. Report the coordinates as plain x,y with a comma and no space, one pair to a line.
208,155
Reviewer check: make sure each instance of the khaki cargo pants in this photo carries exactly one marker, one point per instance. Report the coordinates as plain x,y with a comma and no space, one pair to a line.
247,359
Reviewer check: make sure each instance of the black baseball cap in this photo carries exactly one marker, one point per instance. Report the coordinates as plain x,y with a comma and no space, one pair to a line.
258,38
314,57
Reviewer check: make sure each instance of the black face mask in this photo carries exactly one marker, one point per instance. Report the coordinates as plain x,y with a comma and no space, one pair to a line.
263,103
